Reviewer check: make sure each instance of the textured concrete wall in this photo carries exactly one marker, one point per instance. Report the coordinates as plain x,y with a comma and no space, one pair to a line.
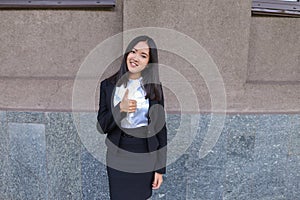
42,50
274,49
239,44
221,27
274,64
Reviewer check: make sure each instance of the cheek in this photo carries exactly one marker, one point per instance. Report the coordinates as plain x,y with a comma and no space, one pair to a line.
145,62
130,55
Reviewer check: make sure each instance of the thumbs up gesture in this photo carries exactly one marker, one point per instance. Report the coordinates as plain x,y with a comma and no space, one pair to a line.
127,105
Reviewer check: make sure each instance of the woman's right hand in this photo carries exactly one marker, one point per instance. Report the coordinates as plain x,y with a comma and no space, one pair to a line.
127,105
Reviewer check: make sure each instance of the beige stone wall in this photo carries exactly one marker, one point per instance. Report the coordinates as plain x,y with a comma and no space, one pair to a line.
239,45
274,49
273,78
42,50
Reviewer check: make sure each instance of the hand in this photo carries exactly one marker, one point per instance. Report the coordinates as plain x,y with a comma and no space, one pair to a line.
158,179
127,105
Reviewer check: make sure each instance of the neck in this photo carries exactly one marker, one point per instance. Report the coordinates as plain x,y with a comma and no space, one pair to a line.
134,76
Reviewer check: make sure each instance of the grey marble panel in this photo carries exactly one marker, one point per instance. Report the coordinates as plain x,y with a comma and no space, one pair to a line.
94,177
204,123
176,178
270,156
63,156
93,172
293,177
273,121
239,183
206,176
90,136
217,155
2,116
240,149
26,117
173,122
175,182
256,157
295,135
28,178
4,139
206,183
180,135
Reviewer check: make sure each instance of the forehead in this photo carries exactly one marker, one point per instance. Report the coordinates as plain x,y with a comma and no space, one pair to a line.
142,46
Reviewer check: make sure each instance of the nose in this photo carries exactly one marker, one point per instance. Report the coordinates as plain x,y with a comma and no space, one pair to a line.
136,57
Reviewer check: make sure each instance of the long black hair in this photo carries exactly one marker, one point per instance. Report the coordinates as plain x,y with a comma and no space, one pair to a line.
150,74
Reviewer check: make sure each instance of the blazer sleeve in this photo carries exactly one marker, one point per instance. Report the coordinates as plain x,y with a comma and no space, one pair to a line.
109,117
162,139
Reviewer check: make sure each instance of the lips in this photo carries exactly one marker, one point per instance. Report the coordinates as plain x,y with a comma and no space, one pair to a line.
133,64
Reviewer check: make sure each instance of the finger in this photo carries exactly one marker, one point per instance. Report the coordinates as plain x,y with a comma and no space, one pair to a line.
132,102
133,109
130,109
132,106
154,184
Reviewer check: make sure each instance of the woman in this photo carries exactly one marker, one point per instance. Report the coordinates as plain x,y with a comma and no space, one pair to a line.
131,113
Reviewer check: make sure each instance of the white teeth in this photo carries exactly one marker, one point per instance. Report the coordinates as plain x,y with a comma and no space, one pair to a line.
133,64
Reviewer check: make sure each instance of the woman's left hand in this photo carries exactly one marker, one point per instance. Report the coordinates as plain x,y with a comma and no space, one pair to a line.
158,179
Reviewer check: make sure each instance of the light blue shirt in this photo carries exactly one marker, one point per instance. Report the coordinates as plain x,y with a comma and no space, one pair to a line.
136,92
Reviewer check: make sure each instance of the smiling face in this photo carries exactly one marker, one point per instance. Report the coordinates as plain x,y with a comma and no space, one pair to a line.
138,59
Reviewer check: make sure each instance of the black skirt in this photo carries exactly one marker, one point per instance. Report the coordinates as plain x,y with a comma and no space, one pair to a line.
130,170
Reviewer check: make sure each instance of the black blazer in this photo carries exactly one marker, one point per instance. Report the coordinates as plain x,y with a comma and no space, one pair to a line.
109,118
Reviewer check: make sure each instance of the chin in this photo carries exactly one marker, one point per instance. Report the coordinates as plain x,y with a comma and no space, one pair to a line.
132,71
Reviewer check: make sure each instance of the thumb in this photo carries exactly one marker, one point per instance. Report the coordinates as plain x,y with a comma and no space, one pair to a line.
126,94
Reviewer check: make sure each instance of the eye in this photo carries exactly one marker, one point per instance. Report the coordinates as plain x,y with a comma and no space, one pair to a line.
132,51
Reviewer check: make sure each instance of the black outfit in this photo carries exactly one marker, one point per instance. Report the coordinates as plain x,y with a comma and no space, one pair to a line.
124,184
